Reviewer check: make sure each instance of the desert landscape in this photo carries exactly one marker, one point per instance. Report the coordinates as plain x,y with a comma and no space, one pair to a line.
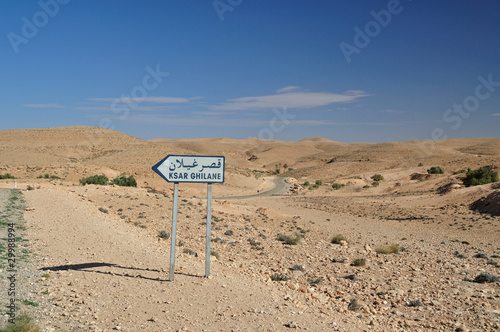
310,235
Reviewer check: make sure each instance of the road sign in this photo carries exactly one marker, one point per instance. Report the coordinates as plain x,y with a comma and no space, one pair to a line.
192,169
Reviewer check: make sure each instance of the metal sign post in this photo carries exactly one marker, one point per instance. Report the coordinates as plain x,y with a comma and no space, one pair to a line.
209,229
192,169
174,231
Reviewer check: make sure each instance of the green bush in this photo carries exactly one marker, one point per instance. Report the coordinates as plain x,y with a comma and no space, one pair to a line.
377,177
435,170
215,254
123,181
319,182
297,267
420,164
483,175
315,281
287,239
337,186
359,262
388,249
375,184
6,176
279,277
95,179
47,176
306,183
24,323
354,305
164,235
338,238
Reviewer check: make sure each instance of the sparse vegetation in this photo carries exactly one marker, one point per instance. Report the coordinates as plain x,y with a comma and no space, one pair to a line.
462,171
388,249
359,262
30,303
435,170
288,239
366,187
318,183
306,184
375,184
47,176
95,179
337,186
377,177
29,188
103,210
215,254
255,245
483,175
140,224
337,239
279,277
24,323
6,176
298,267
420,164
124,181
315,281
46,275
164,235
416,303
485,277
354,305
188,251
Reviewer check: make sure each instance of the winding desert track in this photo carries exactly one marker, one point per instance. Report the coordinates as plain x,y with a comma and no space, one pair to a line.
281,187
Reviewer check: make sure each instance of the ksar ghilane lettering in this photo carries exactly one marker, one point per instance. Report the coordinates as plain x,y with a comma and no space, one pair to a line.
194,176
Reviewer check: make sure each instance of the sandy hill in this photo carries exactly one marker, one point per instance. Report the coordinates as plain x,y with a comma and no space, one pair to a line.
73,152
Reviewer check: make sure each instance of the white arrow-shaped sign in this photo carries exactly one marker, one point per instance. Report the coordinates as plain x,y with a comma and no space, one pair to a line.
193,169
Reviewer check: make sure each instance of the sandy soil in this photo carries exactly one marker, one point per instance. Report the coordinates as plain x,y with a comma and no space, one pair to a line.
109,268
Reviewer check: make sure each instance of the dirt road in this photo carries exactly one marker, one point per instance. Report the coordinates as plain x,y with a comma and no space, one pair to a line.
281,187
106,274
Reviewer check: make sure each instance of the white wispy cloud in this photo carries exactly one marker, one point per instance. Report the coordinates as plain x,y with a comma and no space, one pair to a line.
149,99
288,88
53,105
289,100
210,113
199,120
496,114
127,107
390,111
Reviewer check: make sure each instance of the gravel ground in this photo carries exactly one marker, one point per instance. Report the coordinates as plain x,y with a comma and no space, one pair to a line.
28,294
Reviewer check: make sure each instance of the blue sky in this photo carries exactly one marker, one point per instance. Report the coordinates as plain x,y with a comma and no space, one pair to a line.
349,71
